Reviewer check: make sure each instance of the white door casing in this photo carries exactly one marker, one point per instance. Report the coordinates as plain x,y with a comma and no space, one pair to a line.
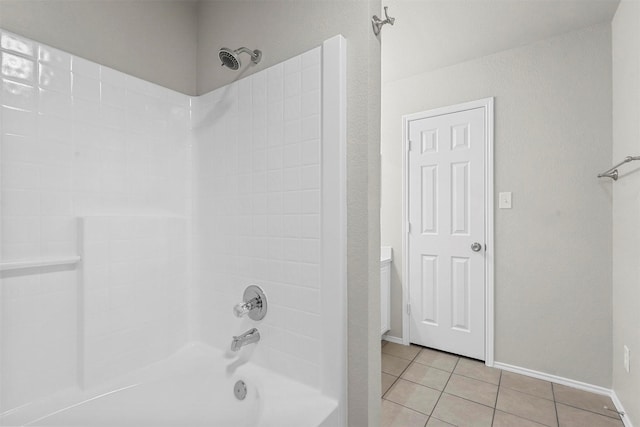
448,207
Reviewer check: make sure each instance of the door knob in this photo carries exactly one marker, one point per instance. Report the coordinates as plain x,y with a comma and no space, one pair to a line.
475,246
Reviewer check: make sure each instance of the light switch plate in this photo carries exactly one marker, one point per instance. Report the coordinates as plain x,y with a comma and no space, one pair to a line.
504,200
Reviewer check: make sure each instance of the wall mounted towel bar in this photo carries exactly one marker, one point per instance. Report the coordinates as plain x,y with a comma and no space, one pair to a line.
613,172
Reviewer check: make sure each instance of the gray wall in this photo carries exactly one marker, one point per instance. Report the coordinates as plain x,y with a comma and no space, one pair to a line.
626,209
553,249
282,29
153,40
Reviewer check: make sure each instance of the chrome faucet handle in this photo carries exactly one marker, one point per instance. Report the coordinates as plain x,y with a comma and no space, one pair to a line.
254,303
243,308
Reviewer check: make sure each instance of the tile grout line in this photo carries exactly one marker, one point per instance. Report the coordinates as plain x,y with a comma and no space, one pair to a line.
445,386
495,404
398,377
555,404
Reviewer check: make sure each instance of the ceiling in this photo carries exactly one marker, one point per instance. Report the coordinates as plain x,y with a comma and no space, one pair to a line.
431,34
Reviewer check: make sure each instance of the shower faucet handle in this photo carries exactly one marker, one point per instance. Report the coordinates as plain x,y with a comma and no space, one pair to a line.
254,303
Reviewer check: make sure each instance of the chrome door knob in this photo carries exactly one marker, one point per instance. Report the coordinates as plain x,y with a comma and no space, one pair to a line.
475,247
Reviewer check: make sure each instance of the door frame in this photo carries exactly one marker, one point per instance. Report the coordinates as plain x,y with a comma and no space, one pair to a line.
487,104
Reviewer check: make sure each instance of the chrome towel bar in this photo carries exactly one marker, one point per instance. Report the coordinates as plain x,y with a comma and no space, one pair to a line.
613,171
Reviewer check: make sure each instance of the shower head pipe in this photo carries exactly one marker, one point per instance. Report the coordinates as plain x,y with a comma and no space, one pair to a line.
256,55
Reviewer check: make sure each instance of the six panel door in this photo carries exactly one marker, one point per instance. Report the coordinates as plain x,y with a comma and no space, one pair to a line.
446,218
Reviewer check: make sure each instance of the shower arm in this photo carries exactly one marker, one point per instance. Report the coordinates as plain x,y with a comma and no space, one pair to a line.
255,54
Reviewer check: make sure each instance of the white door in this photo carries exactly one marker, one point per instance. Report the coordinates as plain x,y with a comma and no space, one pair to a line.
446,241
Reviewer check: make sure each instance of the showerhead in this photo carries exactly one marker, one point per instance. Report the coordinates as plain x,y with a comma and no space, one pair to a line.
230,58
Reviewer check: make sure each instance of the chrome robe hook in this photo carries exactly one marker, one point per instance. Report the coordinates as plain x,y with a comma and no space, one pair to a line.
377,23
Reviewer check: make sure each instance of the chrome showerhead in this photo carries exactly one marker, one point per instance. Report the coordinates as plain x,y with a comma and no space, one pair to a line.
230,58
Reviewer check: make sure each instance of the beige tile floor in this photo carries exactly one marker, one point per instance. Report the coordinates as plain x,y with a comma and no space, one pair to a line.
424,387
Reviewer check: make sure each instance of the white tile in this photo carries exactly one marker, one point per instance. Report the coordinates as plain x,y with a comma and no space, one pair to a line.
18,95
58,248
259,160
310,250
112,77
54,128
111,116
17,148
275,91
292,84
56,178
20,250
291,202
86,112
53,77
310,226
56,203
310,104
84,67
292,65
20,202
291,271
292,108
310,177
310,152
311,57
311,128
274,225
20,230
50,56
275,135
291,225
56,228
85,87
16,43
310,275
259,89
112,94
310,202
53,152
18,67
291,155
274,158
275,113
274,180
55,103
274,203
292,131
311,79
20,176
259,122
18,122
291,179
275,72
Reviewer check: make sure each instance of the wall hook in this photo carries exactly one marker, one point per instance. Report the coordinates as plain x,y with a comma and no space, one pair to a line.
377,23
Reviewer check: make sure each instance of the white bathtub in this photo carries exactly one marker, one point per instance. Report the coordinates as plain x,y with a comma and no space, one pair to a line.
193,388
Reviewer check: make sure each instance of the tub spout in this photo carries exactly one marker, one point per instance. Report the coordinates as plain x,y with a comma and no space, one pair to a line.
251,336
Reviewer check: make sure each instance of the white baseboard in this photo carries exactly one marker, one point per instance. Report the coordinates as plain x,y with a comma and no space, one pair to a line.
624,415
569,383
393,339
554,378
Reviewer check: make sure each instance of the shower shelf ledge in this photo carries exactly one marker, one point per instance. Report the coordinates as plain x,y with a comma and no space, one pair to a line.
38,262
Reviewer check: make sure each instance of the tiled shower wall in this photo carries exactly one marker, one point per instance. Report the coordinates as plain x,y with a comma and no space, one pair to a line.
134,293
77,139
257,217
